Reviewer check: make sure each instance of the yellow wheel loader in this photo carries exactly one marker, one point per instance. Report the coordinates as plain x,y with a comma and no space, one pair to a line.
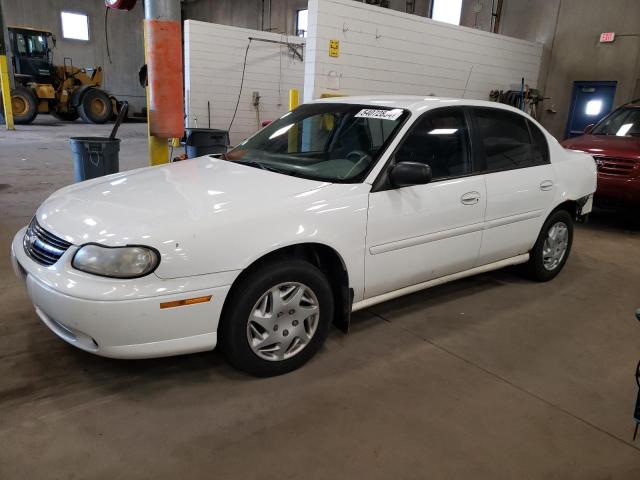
65,91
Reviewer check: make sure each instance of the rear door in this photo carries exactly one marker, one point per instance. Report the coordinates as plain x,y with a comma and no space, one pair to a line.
519,179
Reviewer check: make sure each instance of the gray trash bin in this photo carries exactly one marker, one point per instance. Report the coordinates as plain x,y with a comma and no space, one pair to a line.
94,157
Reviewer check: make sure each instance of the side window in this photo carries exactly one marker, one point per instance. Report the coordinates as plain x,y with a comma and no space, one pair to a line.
541,147
505,139
22,44
439,139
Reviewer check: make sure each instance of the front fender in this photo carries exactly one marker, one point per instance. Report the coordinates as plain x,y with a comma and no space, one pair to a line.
334,216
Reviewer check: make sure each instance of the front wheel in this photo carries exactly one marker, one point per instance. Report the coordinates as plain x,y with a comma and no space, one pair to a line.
24,105
276,318
551,250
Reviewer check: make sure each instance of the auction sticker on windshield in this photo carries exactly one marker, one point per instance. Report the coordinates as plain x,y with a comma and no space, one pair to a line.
378,113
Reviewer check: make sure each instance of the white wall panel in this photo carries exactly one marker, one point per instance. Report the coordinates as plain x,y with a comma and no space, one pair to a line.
214,56
387,52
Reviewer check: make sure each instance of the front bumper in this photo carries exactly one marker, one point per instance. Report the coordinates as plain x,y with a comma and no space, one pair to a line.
122,319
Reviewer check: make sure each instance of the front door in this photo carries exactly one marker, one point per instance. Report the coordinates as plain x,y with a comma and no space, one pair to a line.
422,232
590,102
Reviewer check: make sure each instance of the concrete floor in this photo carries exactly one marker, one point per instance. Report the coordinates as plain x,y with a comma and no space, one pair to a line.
488,377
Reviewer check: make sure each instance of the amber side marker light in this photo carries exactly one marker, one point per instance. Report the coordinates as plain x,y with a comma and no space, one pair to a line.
188,301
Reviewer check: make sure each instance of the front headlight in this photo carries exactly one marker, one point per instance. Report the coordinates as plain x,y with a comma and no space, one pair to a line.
117,262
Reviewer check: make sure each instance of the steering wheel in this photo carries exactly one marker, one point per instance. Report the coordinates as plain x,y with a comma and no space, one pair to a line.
360,155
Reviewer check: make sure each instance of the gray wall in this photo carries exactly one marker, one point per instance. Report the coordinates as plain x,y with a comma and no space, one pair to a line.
248,13
569,31
577,55
125,40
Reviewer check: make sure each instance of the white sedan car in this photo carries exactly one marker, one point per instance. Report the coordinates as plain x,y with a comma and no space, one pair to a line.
338,205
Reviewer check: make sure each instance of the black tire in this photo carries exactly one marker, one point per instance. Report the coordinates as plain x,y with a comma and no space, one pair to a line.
25,105
95,106
536,266
233,331
66,116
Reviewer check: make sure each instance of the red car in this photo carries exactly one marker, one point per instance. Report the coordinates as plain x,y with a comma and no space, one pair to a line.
614,142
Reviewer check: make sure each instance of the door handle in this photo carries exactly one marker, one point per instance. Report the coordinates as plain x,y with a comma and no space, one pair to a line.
470,198
546,185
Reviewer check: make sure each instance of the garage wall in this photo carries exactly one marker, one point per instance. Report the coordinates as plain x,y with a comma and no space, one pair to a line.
125,40
577,55
388,52
214,57
248,13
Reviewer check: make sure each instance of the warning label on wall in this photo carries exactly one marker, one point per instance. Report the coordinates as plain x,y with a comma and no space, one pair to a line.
334,48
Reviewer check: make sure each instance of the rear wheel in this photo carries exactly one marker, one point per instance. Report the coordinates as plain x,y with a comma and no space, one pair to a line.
550,253
24,105
95,106
276,318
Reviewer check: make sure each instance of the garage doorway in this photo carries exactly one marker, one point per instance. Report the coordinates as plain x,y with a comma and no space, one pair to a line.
590,102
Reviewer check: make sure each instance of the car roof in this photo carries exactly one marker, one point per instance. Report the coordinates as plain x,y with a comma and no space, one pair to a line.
414,103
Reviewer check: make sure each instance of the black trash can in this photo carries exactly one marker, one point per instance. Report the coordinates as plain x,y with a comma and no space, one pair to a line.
94,157
203,141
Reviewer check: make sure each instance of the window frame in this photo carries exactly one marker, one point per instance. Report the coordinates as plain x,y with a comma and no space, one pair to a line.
297,29
431,8
382,183
72,39
480,151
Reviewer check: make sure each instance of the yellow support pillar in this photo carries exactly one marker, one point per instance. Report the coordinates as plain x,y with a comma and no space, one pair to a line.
294,99
5,86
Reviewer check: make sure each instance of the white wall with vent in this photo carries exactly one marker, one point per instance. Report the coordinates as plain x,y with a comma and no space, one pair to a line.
214,58
388,52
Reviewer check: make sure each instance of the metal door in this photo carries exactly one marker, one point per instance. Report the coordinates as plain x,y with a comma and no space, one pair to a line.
590,102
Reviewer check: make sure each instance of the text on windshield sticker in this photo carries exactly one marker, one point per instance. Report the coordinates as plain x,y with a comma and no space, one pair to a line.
381,114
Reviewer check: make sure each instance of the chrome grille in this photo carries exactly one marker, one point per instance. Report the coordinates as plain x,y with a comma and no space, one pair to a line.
615,166
43,247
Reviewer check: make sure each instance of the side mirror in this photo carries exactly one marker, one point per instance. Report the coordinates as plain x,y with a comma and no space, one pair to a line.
405,174
588,128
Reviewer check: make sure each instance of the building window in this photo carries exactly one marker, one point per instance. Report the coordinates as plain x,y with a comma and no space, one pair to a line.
302,22
75,26
447,11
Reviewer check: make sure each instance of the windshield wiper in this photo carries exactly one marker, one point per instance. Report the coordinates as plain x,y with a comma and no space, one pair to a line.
269,168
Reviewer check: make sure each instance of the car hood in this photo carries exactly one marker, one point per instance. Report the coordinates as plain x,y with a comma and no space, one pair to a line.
167,206
608,145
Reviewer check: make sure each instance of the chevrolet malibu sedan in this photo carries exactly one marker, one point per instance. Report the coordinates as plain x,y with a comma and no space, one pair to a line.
338,205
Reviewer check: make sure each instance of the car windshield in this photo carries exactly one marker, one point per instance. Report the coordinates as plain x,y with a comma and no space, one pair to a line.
335,142
624,122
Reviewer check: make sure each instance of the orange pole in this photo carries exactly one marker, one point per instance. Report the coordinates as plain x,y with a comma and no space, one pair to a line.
163,54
